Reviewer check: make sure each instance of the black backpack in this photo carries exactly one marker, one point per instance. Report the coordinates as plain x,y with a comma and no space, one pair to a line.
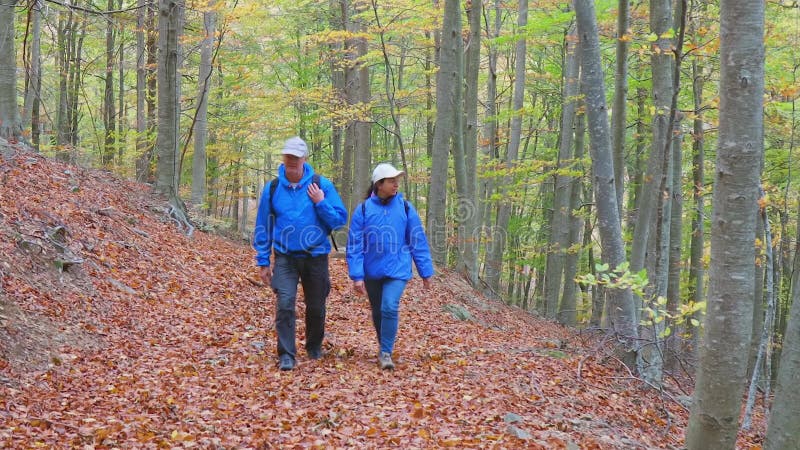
315,179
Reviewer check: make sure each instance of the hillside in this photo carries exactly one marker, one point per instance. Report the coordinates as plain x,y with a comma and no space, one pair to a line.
118,331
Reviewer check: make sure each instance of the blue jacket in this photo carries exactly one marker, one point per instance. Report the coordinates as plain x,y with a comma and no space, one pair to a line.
382,244
301,228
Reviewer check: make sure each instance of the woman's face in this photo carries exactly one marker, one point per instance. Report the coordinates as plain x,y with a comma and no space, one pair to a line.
387,187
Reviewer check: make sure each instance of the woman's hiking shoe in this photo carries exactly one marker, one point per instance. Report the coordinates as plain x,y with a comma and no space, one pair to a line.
286,362
315,353
385,361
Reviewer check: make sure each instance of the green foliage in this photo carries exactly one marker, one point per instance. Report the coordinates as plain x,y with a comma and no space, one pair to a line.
655,312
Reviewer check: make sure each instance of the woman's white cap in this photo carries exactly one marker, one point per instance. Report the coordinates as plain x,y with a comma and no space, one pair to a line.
385,170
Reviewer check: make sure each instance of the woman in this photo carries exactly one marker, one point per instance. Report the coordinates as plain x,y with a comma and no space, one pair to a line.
385,235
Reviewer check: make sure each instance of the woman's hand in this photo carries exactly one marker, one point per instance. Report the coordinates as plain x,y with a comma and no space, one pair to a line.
360,287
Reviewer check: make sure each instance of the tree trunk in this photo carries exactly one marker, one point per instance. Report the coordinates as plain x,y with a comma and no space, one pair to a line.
490,126
109,111
567,313
199,186
33,73
621,307
783,431
142,162
494,257
468,211
447,77
675,250
713,422
10,123
620,111
696,265
661,60
167,174
762,336
559,228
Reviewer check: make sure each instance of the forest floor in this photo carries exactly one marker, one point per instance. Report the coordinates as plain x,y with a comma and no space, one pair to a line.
119,331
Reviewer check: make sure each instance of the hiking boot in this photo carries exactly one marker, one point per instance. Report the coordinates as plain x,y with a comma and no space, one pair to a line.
385,361
286,362
315,353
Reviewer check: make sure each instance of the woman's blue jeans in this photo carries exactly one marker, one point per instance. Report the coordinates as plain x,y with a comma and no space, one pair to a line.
384,298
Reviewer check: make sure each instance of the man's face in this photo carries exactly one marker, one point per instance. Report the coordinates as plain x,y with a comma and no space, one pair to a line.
293,166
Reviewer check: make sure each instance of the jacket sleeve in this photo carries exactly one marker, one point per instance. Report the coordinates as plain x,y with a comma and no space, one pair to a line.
355,246
331,209
418,244
262,233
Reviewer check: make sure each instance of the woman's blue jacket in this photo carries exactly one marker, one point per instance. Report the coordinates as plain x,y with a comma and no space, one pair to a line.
384,237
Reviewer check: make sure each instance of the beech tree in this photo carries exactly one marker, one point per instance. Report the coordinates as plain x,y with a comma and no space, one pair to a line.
10,125
621,308
714,419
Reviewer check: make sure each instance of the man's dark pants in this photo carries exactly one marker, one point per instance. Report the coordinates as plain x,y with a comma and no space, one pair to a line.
313,273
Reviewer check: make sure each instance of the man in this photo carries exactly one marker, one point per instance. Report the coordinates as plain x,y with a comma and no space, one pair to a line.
296,214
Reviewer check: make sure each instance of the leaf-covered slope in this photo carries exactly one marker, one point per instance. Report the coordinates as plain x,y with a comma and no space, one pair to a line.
148,338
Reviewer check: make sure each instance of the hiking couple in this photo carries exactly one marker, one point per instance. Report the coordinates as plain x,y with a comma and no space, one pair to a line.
297,212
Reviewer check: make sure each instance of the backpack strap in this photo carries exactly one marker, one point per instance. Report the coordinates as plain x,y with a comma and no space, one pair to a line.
364,213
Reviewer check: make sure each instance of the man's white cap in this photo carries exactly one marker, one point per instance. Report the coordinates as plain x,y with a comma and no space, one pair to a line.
385,170
296,147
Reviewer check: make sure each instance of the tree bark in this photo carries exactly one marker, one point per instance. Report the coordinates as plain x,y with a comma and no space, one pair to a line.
468,211
33,73
199,189
783,430
10,122
109,106
167,174
559,228
620,111
713,422
447,77
622,313
494,257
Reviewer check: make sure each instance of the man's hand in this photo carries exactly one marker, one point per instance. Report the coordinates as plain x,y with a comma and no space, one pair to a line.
426,284
265,272
360,287
316,193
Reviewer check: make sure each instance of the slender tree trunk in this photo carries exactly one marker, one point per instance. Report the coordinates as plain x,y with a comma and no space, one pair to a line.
696,264
620,111
783,431
199,159
621,308
142,154
713,422
568,309
559,228
490,124
494,258
661,60
764,335
167,173
447,78
109,112
33,73
10,122
675,250
469,211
